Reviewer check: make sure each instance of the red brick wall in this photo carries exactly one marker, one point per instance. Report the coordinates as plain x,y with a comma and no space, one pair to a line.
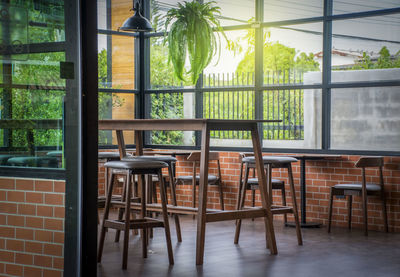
321,175
31,227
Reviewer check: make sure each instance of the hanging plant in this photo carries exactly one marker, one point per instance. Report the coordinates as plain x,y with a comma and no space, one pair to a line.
192,33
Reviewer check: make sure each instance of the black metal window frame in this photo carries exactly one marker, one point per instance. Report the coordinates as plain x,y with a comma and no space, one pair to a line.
143,89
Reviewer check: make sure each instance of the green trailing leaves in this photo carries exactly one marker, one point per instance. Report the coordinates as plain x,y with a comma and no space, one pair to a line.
192,33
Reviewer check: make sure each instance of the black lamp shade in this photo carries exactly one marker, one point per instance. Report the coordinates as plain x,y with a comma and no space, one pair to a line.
136,23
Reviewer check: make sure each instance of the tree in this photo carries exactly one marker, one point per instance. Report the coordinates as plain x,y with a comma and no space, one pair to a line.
385,60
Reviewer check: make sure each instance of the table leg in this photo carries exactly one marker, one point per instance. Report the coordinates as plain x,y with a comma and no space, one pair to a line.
268,219
203,184
303,190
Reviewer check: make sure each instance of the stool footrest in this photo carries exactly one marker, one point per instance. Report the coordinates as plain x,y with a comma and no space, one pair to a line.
281,209
134,223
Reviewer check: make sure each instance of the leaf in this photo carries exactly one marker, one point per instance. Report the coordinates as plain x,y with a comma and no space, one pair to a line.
193,34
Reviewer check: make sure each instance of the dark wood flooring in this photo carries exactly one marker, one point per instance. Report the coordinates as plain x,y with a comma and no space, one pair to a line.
341,253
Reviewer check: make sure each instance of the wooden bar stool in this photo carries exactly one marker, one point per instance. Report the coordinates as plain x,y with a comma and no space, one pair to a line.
252,183
269,163
171,183
131,168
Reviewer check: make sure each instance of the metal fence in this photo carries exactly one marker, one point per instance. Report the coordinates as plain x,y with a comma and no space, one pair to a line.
226,100
281,104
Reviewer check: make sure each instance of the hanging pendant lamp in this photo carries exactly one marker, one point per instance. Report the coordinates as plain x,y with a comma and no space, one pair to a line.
137,22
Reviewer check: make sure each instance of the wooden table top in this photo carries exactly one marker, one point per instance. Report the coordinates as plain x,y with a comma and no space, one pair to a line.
178,124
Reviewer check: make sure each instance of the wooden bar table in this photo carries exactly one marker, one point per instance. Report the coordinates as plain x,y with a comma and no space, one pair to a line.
205,126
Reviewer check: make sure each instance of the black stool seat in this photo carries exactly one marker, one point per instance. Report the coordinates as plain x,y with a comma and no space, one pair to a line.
211,178
167,159
271,159
370,187
110,155
136,164
255,181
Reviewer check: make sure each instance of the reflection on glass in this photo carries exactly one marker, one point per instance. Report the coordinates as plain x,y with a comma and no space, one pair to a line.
350,6
278,10
171,106
292,54
235,12
367,45
366,118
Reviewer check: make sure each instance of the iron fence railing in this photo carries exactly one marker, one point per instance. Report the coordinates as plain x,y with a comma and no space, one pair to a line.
232,96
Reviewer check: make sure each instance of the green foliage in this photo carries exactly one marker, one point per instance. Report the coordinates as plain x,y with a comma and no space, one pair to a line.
192,33
278,57
385,60
166,106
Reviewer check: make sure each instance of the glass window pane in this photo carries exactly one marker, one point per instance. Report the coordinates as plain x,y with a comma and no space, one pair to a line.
277,10
300,112
370,44
366,119
171,106
158,11
117,64
42,69
235,12
116,106
229,105
293,54
31,114
234,66
350,6
161,70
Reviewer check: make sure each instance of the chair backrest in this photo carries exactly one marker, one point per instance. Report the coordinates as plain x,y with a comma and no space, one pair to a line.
195,156
213,156
370,162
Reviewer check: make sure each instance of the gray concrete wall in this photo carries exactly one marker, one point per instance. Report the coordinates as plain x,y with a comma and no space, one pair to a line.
362,118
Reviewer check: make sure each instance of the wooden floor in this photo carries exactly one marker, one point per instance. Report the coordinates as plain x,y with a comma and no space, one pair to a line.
341,253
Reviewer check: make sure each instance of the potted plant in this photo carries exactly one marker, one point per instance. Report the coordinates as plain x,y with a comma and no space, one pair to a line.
192,26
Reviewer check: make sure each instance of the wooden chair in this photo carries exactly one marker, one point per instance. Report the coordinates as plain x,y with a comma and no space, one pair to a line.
252,183
194,157
362,189
134,167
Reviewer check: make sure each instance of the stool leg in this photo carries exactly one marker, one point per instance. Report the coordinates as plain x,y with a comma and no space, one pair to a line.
253,199
349,206
295,211
221,195
241,204
165,218
143,214
283,191
174,202
105,217
121,211
151,190
330,210
240,186
127,221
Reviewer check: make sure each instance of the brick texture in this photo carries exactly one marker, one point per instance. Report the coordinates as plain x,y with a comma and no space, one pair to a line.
321,175
31,227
